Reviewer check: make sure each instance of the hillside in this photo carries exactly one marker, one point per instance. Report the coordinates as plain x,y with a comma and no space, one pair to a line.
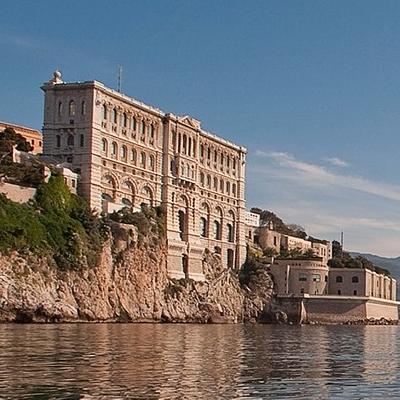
392,264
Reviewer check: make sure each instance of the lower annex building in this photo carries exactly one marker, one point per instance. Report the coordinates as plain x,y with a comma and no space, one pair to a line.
128,154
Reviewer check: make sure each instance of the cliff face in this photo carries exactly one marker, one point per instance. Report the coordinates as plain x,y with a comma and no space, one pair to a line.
130,283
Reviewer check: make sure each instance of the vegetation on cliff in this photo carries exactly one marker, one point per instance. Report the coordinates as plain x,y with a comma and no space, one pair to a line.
56,223
343,259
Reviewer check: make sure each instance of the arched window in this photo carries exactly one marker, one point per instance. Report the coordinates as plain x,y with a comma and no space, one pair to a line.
124,152
202,179
83,108
104,112
339,279
190,146
234,163
104,146
133,156
221,186
209,181
203,227
209,154
228,187
70,140
354,279
151,163
215,156
229,233
133,123
58,141
114,150
125,120
234,189
222,159
217,230
215,183
72,108
114,115
201,150
143,160
60,109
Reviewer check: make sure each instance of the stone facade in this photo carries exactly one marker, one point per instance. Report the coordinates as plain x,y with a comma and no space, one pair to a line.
267,237
313,277
32,136
128,154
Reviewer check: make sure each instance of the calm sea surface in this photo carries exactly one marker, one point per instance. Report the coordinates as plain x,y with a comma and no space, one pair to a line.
149,361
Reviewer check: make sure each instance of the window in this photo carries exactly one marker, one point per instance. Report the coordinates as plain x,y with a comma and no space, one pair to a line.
133,156
354,279
114,149
81,140
125,120
73,183
83,108
182,224
152,132
105,112
72,108
201,178
209,154
70,140
184,144
221,186
104,146
133,123
143,160
228,187
114,116
230,256
151,163
275,241
59,109
217,230
215,156
58,141
355,293
229,233
203,227
326,278
209,181
339,279
215,183
302,278
124,152
201,151
234,189
339,292
316,278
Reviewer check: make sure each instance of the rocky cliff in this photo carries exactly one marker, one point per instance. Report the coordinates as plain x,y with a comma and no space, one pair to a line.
129,283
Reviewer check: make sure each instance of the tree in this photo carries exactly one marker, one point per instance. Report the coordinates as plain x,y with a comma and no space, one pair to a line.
336,249
309,253
10,138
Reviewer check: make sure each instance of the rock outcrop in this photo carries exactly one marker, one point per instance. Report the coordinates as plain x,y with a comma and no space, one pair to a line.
130,283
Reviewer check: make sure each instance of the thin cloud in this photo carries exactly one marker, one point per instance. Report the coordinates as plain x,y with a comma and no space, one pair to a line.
288,167
337,162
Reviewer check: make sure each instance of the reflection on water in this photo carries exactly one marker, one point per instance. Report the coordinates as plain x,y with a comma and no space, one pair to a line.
149,361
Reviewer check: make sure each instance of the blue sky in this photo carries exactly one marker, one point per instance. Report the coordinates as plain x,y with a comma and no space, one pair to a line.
311,88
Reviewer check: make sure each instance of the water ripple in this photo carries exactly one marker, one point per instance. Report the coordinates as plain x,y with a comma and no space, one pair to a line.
150,361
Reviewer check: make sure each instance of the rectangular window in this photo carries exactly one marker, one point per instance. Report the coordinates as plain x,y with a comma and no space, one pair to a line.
302,278
82,140
316,278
